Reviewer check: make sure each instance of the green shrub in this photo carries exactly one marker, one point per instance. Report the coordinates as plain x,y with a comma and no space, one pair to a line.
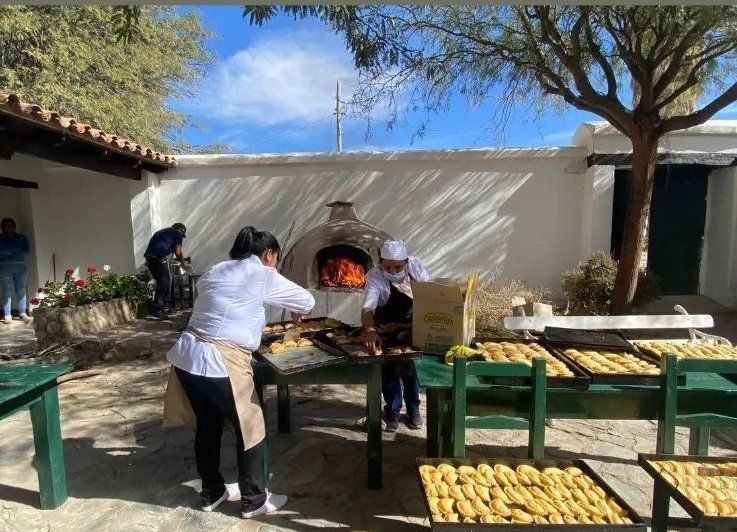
590,285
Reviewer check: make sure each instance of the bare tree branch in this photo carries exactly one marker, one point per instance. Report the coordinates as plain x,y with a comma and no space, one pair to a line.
675,123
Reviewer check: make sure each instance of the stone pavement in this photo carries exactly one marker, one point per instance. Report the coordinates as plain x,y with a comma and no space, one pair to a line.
125,472
16,337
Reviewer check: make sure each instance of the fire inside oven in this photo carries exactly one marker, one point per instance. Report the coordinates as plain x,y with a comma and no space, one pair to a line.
343,267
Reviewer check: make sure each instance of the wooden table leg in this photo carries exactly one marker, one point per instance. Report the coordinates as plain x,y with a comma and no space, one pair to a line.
439,423
445,423
52,481
284,409
698,441
373,414
661,507
432,397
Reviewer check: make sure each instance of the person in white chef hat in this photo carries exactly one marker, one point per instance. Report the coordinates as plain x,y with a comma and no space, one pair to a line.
387,298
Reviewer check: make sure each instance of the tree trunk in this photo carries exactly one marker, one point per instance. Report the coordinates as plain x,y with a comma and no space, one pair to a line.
644,149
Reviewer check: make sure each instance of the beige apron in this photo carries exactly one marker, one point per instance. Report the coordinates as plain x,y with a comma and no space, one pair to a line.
178,410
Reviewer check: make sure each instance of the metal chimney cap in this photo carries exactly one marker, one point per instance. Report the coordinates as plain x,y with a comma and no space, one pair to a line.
341,210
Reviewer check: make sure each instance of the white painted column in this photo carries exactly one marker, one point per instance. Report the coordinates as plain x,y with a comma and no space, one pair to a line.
596,210
154,200
718,272
145,213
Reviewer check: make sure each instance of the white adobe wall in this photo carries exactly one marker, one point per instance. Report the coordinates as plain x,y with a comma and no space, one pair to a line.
718,275
82,217
713,136
518,213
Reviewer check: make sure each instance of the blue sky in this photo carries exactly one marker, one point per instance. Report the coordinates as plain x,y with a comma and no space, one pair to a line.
272,90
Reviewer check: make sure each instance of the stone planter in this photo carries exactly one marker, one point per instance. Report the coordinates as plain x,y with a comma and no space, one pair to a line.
62,324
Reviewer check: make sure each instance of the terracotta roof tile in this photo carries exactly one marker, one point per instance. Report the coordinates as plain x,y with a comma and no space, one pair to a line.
12,104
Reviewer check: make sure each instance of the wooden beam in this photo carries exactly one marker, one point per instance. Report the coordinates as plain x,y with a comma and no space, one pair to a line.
69,155
95,156
691,158
17,183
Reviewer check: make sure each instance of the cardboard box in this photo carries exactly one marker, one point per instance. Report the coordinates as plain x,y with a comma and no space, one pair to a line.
443,313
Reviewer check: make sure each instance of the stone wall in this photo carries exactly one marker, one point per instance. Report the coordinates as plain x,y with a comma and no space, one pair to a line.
62,324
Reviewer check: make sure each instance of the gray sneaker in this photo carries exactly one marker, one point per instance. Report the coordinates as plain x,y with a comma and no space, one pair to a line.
211,499
391,425
414,422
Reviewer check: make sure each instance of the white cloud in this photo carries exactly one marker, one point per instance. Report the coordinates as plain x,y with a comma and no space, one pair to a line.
284,77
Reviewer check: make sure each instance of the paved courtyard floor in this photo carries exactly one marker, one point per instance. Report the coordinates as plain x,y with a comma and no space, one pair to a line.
125,472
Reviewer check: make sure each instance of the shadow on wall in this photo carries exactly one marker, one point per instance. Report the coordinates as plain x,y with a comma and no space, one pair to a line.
522,224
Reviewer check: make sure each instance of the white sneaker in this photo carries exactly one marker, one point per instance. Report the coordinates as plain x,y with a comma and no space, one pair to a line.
272,504
234,492
362,423
8,320
25,318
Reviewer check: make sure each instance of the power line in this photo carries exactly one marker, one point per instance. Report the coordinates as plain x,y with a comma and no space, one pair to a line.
290,131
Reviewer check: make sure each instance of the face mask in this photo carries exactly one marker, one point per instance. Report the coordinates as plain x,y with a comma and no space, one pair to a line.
394,277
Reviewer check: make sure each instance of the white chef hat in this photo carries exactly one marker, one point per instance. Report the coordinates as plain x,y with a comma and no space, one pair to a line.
393,250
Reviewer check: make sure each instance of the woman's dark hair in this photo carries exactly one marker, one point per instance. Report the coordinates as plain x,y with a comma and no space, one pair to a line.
7,221
251,242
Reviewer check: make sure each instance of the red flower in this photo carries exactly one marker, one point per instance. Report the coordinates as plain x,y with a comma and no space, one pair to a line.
67,297
80,282
91,269
35,301
69,272
40,291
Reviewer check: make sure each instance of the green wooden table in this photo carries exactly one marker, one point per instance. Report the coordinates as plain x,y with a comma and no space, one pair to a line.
368,374
34,387
704,392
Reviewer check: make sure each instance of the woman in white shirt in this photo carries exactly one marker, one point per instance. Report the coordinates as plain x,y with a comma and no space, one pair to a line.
211,366
388,298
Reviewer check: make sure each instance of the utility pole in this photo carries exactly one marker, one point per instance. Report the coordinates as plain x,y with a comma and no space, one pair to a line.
339,110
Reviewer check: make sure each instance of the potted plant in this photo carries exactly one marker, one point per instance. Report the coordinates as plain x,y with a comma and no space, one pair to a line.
78,306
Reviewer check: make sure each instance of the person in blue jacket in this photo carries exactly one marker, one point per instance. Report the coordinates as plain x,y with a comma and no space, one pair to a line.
14,249
163,244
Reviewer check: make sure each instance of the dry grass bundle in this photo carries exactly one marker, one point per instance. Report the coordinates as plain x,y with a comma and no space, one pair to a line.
495,298
589,287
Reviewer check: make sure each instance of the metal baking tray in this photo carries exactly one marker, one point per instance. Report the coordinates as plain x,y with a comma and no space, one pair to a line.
621,379
592,339
268,337
637,523
359,354
580,380
702,520
299,359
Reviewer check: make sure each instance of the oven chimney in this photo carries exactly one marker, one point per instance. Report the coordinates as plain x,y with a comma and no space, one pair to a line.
341,210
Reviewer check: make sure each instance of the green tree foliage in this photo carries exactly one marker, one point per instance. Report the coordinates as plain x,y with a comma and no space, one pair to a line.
590,57
115,68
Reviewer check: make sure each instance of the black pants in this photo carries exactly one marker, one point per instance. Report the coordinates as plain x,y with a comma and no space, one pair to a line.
159,269
212,401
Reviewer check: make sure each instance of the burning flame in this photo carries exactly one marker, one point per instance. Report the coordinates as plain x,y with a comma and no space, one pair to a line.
343,273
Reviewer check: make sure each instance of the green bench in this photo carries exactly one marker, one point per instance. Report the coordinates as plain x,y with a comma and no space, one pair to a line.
700,423
534,422
34,387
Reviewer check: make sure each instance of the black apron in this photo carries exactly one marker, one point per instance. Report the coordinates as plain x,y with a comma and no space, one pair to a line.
397,309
